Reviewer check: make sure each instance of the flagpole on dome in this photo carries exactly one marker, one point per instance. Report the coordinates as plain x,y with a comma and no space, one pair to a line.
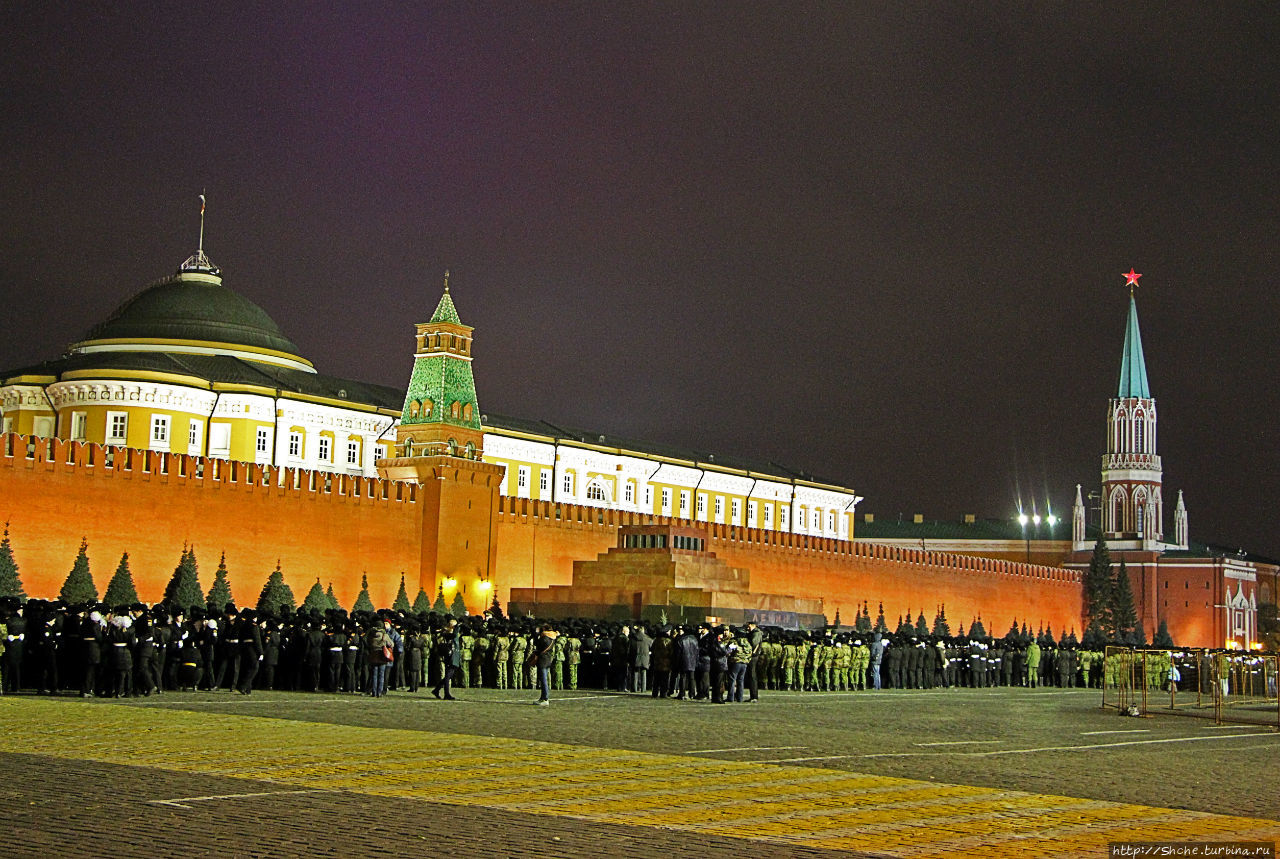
198,263
200,246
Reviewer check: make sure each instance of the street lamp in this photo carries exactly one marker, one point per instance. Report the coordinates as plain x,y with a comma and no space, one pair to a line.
1034,520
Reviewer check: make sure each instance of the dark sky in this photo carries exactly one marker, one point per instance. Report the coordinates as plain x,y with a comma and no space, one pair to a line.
881,242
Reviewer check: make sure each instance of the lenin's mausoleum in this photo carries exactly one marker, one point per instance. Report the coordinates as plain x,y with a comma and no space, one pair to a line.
189,418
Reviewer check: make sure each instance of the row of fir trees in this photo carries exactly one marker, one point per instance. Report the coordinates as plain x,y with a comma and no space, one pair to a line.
184,589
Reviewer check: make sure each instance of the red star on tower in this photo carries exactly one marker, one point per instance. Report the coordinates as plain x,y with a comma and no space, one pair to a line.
1131,279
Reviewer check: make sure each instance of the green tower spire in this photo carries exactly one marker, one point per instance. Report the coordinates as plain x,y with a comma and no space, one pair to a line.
1133,367
441,414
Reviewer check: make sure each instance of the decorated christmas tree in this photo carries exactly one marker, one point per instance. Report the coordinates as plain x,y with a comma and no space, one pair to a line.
10,582
276,594
120,590
79,586
183,590
219,596
401,602
363,601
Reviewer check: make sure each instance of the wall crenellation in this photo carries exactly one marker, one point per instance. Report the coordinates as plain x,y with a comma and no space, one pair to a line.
90,459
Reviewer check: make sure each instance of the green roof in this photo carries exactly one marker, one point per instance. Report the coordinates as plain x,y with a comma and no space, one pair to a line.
1133,367
445,311
443,379
183,307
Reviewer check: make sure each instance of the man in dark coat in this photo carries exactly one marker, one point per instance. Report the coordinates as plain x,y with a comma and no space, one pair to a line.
449,652
251,650
685,663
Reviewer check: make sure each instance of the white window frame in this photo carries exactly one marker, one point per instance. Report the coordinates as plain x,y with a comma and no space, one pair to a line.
353,452
544,482
684,503
751,514
295,445
768,515
79,425
719,508
381,450
629,492
263,443
666,501
117,428
325,449
784,514
702,505
735,511
193,435
567,484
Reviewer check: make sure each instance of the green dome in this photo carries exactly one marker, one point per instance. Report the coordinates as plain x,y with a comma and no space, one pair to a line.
193,307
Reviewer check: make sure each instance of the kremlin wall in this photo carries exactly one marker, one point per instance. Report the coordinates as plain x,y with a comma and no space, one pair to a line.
336,527
187,418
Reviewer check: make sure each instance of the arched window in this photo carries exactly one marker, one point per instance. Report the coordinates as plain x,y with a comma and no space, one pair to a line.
413,408
427,405
1117,522
595,492
471,450
466,412
1139,432
1140,511
453,447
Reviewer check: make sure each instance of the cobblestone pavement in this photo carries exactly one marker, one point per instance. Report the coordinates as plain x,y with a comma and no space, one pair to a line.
509,792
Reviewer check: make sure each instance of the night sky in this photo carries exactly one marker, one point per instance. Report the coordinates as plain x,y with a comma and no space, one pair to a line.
881,243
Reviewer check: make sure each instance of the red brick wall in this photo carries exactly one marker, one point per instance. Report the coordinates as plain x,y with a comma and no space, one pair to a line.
143,504
55,492
843,574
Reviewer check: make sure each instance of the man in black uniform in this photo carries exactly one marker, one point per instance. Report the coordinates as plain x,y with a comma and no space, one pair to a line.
251,650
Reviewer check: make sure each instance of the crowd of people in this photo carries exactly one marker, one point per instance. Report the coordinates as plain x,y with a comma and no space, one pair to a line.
138,650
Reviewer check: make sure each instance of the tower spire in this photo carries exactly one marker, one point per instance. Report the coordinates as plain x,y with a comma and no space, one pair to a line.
1133,366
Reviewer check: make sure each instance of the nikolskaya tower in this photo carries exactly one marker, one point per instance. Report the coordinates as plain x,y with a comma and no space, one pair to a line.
1132,498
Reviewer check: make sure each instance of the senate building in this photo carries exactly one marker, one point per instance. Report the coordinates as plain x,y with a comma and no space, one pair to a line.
188,417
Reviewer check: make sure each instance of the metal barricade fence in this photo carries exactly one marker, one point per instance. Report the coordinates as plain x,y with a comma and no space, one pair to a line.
1230,686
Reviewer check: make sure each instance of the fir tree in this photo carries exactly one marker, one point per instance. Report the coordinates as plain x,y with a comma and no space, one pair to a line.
976,629
1097,587
10,582
863,623
331,599
941,628
1123,616
316,598
1012,634
837,618
276,596
439,606
120,590
219,596
901,628
960,631
183,590
922,625
881,627
401,602
459,607
422,602
1094,637
79,586
1048,637
1163,639
363,601
1138,638
496,609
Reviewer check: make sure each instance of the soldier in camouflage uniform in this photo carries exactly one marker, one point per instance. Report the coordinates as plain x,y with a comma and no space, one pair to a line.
479,655
790,660
814,652
501,653
844,662
557,662
573,658
519,650
827,672
468,643
861,659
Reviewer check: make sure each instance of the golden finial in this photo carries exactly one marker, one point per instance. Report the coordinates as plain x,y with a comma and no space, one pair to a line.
446,280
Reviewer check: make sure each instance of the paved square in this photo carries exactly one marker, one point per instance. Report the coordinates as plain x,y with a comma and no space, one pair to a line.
996,772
